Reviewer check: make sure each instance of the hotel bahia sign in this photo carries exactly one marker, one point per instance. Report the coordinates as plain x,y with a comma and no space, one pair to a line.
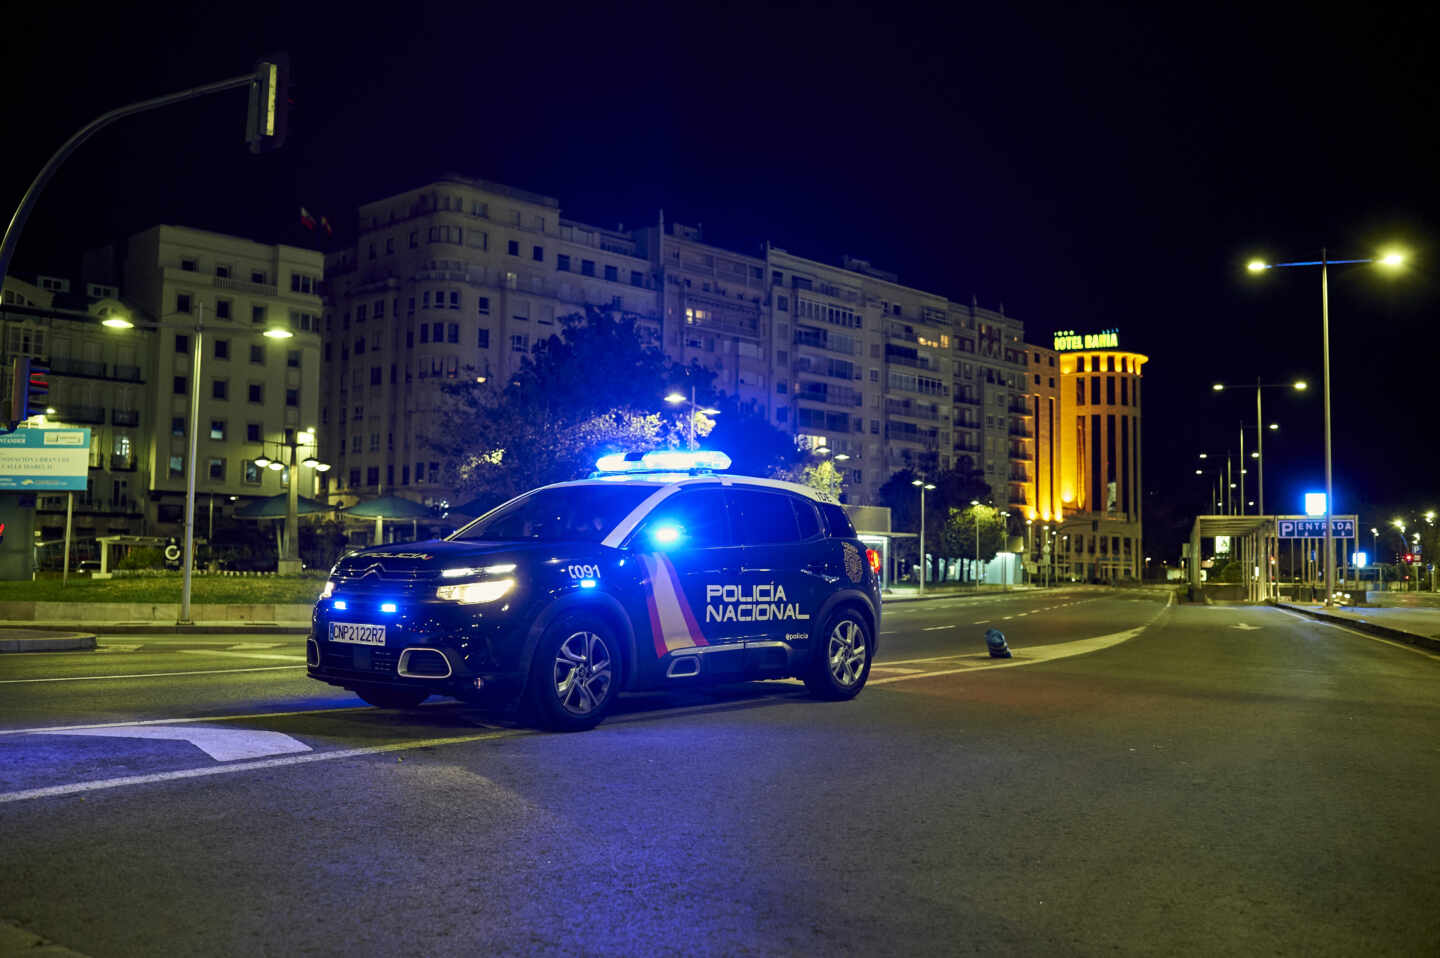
1068,339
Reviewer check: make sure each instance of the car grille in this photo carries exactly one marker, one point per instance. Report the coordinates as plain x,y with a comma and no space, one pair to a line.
377,574
360,659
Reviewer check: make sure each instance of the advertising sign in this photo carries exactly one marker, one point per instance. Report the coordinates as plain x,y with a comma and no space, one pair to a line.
44,460
1302,527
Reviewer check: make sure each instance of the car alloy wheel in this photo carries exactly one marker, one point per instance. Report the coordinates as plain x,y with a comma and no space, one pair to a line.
582,672
846,653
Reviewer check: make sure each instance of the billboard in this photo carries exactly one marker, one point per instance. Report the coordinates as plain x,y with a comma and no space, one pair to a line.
44,460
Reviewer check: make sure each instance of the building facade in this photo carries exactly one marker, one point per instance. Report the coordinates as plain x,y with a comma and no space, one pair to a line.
461,277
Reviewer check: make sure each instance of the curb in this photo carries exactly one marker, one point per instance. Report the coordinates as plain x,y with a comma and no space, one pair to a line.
160,628
1361,625
36,640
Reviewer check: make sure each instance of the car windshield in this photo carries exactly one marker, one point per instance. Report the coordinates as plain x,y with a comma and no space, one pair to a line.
566,513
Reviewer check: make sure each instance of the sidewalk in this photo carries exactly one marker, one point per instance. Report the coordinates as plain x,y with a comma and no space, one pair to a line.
910,593
1419,627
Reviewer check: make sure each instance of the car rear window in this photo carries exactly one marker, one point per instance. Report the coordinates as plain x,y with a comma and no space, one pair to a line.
837,521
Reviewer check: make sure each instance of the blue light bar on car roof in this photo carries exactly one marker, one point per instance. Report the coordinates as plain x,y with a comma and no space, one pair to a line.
664,460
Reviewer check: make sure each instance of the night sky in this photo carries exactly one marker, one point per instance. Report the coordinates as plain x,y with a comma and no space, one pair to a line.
1086,169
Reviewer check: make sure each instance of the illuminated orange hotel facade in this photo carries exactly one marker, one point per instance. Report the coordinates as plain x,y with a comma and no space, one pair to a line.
1086,487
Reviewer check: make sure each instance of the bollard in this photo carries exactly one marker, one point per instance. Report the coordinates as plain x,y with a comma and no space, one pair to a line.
995,640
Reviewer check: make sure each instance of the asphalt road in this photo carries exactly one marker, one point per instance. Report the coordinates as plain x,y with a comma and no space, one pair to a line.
1138,778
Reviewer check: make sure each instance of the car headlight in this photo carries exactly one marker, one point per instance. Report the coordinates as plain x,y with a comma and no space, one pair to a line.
329,589
474,593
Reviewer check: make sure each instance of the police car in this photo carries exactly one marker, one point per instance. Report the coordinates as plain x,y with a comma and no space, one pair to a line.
656,572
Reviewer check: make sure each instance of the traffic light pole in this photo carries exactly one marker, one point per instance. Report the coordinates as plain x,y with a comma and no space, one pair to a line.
27,202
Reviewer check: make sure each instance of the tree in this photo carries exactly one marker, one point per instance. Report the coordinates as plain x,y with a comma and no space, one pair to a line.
824,478
959,533
755,446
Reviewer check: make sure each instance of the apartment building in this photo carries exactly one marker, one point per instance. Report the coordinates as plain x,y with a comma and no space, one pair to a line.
96,382
459,277
256,391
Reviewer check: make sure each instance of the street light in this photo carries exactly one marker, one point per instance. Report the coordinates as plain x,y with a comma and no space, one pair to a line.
1298,385
197,326
1391,259
676,398
923,486
289,563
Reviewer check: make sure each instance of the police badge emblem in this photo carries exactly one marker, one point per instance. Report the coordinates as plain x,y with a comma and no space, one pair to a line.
853,567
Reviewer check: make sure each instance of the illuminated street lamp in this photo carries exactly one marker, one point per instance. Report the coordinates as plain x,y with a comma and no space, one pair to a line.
289,562
1390,259
1298,385
676,398
923,486
197,326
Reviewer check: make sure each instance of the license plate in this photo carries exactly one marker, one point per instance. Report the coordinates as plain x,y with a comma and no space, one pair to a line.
357,634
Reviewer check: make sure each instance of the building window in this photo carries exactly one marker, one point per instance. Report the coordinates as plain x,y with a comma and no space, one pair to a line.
252,432
372,476
189,265
424,332
177,466
179,386
257,315
252,472
483,340
257,393
637,278
217,429
537,253
562,263
437,332
454,299
182,302
292,397
258,277
222,349
612,274
222,271
182,343
217,470
292,359
376,376
222,309
452,333
513,247
483,306
219,389
519,343
177,426
587,267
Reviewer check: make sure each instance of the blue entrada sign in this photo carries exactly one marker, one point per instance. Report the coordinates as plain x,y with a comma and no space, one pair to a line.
1303,527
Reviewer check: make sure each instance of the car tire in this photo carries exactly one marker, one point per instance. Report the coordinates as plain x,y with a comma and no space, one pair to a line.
386,698
840,663
575,675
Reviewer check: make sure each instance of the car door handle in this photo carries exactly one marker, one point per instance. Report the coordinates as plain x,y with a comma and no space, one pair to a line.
821,570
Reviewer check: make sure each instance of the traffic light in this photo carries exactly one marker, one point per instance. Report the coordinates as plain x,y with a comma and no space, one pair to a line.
269,114
29,388
1409,558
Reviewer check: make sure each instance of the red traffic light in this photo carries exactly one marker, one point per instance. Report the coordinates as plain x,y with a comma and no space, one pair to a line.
1409,557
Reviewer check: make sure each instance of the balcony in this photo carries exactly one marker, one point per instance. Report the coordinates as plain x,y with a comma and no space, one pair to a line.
1021,409
124,417
1022,432
911,410
129,374
65,366
967,400
120,463
240,286
89,414
1019,477
1020,455
917,362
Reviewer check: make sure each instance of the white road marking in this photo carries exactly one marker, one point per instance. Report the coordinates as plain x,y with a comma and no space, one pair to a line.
244,655
56,791
936,628
1004,617
150,675
980,622
221,744
893,668
255,645
186,721
117,648
1245,627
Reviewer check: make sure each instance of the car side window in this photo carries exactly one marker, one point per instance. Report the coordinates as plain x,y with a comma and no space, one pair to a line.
838,521
693,519
805,513
763,518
